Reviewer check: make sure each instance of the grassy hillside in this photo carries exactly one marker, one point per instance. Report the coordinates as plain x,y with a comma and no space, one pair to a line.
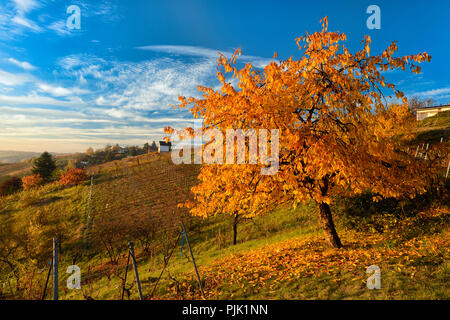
440,120
281,255
433,129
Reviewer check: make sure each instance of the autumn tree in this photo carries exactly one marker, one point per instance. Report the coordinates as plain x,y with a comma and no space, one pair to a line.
72,176
31,182
339,131
89,151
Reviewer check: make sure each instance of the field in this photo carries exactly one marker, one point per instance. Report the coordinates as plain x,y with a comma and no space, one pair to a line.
14,169
281,255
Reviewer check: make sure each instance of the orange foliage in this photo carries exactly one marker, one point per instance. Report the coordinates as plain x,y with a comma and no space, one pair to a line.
338,132
33,181
72,176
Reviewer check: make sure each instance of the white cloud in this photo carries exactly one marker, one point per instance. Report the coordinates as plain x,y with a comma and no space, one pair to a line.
53,90
22,21
116,113
433,93
106,11
10,79
146,85
24,6
59,27
58,91
83,66
22,64
34,99
258,62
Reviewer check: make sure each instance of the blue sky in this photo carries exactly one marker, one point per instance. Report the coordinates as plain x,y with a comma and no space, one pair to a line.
113,80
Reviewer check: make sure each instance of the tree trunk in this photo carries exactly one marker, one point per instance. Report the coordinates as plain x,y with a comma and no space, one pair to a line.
235,223
326,220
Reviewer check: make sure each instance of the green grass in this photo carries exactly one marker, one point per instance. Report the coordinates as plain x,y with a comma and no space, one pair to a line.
282,225
36,216
430,281
440,120
433,129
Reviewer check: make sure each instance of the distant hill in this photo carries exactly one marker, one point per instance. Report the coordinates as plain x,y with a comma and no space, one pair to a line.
16,156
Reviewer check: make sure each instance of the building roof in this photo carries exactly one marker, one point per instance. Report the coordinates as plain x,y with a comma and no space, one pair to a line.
163,143
434,107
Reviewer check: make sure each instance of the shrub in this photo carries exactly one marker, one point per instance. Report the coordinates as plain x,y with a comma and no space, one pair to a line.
57,174
10,186
72,176
31,182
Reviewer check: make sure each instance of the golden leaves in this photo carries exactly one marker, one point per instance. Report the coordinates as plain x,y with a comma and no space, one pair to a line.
334,121
276,265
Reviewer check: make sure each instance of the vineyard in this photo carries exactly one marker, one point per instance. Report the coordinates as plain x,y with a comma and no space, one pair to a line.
281,255
94,222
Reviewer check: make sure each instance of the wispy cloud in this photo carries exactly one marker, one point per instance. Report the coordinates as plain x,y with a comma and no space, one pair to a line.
105,11
147,85
34,99
22,21
22,8
22,64
59,27
433,93
14,18
19,17
258,62
58,91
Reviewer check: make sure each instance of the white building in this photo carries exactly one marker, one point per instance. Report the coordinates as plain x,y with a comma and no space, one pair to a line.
165,146
426,112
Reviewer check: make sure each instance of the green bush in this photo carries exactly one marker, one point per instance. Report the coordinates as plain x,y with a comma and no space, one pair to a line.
363,213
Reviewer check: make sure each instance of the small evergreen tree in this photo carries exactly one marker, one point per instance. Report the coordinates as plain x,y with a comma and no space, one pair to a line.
44,166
